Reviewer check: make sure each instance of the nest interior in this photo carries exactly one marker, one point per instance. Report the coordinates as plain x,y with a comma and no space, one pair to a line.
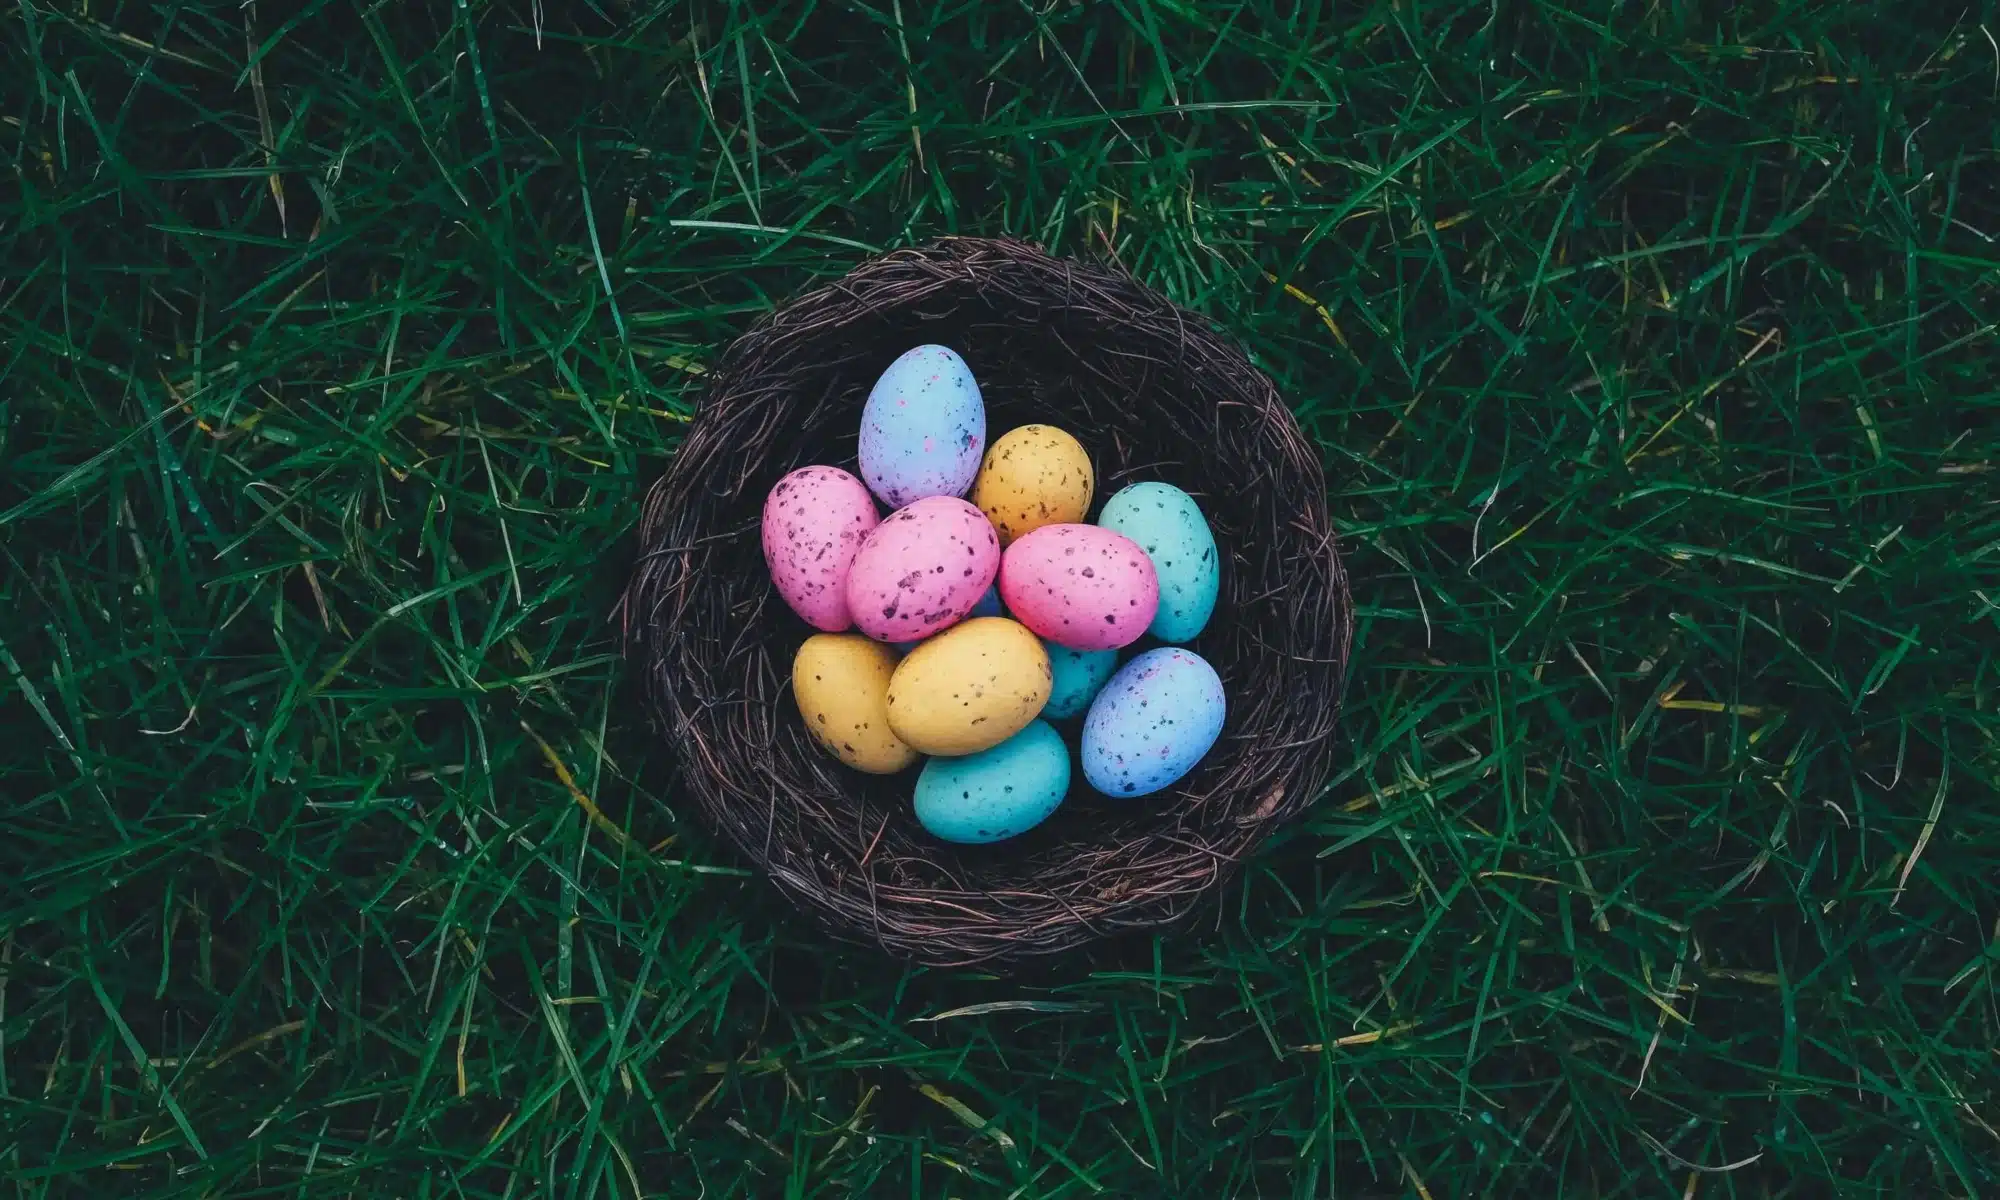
1154,393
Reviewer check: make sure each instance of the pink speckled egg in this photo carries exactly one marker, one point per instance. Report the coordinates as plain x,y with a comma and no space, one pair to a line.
815,520
922,569
1080,586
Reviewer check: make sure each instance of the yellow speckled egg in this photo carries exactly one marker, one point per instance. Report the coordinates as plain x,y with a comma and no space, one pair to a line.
841,681
1033,476
969,688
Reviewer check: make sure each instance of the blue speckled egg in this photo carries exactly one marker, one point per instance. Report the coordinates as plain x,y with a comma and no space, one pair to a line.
923,430
1079,676
988,605
1168,524
996,793
1152,723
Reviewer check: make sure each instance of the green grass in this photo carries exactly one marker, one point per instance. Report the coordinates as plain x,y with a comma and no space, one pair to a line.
1655,375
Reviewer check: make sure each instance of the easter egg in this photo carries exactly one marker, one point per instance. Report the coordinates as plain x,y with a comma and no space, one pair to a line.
996,793
1076,676
1168,525
1080,586
841,681
973,686
922,569
1152,723
814,522
989,602
988,606
1033,476
923,428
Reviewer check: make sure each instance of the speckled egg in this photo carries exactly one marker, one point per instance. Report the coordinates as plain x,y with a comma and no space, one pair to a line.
973,686
923,429
1167,523
922,569
988,606
996,793
841,681
1152,723
1077,677
989,602
815,520
1080,586
1033,476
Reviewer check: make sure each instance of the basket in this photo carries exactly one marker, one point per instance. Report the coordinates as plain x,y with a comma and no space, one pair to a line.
1154,393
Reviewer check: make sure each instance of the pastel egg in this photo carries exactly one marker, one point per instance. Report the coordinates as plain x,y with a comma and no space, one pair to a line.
841,681
969,688
989,602
1152,723
815,520
996,793
1167,523
922,569
923,428
1033,476
1080,586
1076,678
988,606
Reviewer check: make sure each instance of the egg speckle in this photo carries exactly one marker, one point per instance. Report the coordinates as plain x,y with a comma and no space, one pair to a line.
1152,723
815,520
1167,523
922,570
841,683
1080,586
995,793
923,428
1033,476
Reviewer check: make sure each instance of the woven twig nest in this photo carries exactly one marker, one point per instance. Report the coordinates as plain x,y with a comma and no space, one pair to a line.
1154,393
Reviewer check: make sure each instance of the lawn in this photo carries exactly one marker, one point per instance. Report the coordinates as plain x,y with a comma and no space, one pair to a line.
1650,344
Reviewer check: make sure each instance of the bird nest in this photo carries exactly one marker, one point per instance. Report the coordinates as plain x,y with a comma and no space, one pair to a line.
1154,393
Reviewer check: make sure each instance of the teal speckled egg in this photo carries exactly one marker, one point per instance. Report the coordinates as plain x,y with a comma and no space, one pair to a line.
1168,524
996,793
1079,676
